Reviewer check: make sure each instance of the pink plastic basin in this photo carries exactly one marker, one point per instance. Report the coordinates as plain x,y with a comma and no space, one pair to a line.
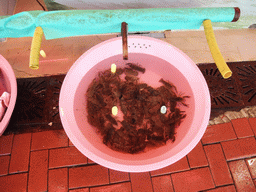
161,60
8,83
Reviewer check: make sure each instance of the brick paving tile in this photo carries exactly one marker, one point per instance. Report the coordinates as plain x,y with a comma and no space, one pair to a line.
90,161
141,182
217,133
218,165
241,176
4,164
66,157
196,157
80,190
230,188
49,139
88,176
251,163
20,153
180,165
6,144
120,187
70,143
252,122
162,183
58,180
118,176
37,179
240,148
14,183
242,127
193,180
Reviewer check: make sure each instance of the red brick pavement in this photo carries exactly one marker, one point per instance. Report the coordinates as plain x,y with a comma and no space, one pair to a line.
224,160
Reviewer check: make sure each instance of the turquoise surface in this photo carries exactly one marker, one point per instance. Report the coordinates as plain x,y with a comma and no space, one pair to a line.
59,24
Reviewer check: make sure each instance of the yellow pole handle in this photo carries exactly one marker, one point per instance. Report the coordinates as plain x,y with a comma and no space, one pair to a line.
35,48
216,54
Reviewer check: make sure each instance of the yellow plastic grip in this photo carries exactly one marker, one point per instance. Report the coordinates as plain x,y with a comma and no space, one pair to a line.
216,54
35,48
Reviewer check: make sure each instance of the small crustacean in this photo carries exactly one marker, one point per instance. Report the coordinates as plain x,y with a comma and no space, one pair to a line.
143,122
108,135
183,102
136,67
130,72
100,99
111,119
119,71
168,84
131,78
92,88
142,86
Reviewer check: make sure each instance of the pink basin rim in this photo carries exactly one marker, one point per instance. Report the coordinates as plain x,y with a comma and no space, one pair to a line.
134,163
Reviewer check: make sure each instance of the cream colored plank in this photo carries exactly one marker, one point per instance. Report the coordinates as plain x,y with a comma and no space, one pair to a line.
227,46
58,60
201,34
231,56
239,32
13,43
84,45
199,51
235,45
200,56
106,37
247,47
198,43
189,33
60,55
184,44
